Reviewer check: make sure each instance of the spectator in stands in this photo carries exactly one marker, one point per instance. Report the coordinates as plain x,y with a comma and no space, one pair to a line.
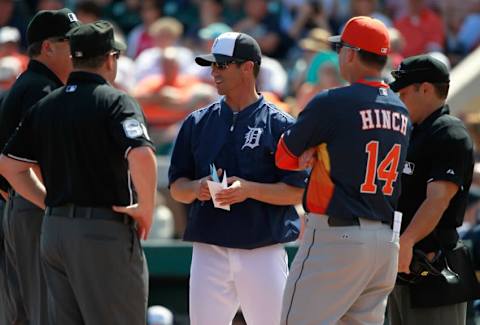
323,73
300,16
423,29
13,13
368,8
125,67
469,34
10,45
49,5
126,14
166,97
164,32
316,41
88,11
10,68
264,27
139,38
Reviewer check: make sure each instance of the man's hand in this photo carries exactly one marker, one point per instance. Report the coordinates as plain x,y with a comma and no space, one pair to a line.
237,192
405,255
202,193
307,159
143,217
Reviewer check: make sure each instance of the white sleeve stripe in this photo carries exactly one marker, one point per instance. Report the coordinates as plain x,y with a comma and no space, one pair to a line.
127,151
22,159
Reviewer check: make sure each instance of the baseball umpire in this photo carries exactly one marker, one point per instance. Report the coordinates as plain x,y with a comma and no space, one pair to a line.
90,142
435,184
356,138
237,256
47,70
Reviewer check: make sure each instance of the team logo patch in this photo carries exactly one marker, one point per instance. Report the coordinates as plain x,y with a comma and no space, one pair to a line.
70,88
72,17
451,172
133,128
252,138
408,168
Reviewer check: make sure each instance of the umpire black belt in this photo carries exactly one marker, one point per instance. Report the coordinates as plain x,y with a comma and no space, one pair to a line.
75,211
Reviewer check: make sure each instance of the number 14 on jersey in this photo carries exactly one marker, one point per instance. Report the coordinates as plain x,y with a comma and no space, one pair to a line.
386,171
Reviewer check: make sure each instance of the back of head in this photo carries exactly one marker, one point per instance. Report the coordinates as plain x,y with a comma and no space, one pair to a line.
91,43
48,24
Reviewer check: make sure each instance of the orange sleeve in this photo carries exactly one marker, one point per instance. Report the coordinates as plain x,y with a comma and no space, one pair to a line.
284,159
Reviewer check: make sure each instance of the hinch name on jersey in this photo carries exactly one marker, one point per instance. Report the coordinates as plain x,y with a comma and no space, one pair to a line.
384,119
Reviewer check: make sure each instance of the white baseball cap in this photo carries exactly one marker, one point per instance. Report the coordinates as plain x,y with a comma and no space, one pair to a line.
232,46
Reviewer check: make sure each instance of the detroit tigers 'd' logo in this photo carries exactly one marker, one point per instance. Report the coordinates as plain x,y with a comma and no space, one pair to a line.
252,138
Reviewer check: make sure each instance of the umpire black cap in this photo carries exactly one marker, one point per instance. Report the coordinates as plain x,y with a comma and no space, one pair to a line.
232,46
51,23
418,69
92,40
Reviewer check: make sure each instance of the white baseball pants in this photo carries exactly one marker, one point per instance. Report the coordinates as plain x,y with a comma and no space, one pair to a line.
224,279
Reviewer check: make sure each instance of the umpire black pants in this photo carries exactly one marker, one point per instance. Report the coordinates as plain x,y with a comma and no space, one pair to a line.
95,269
27,290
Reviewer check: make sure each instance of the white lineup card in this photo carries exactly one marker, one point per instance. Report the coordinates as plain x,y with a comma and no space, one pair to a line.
397,225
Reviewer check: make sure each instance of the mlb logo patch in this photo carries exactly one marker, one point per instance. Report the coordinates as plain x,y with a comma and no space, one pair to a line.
408,168
70,88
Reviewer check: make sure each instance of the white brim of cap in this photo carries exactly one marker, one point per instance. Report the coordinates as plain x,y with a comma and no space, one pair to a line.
335,39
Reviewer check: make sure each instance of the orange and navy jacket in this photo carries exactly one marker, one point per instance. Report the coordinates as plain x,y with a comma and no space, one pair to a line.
360,134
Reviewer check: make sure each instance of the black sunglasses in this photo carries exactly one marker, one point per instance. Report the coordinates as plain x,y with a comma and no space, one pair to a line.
115,54
402,73
338,46
224,65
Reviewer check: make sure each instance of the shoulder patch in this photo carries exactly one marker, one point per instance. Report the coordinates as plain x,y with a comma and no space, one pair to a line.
133,128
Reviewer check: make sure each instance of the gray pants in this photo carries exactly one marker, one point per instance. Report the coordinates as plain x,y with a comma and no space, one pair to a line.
27,289
5,312
341,275
96,271
400,312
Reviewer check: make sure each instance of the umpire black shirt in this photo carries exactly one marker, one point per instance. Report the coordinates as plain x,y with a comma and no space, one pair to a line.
80,135
440,149
31,86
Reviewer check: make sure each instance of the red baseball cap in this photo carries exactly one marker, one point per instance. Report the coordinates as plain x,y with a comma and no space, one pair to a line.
366,33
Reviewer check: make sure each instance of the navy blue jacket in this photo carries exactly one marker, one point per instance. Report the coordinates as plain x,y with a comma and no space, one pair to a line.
244,145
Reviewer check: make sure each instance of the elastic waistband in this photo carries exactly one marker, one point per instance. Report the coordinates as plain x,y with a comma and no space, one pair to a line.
75,211
322,221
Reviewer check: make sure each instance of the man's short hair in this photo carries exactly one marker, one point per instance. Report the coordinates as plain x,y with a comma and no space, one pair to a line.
373,60
34,49
89,63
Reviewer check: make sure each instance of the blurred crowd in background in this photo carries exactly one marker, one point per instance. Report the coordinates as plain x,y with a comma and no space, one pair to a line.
164,36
